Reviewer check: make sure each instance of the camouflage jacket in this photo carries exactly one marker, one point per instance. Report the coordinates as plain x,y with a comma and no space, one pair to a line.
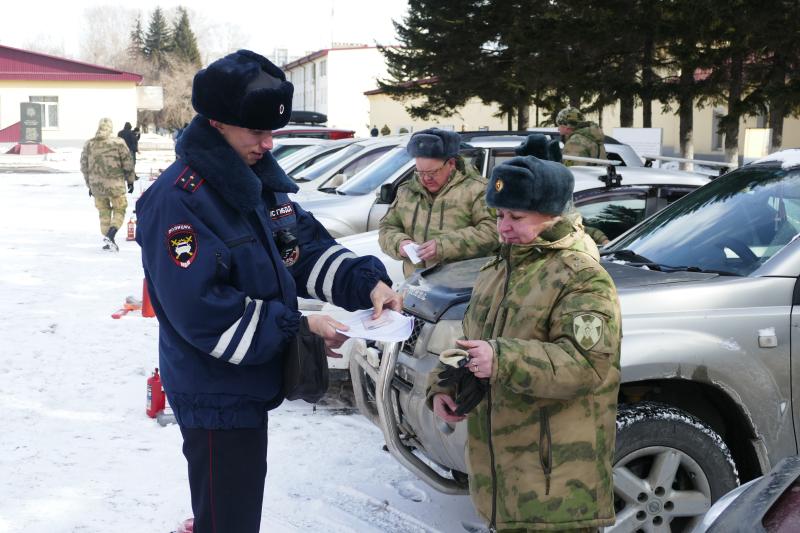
456,217
552,316
585,142
106,163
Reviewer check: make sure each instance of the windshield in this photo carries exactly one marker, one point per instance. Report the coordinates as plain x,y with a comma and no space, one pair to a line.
732,225
315,171
373,176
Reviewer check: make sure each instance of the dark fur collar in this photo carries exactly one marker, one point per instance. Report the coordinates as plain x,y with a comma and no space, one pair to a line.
205,150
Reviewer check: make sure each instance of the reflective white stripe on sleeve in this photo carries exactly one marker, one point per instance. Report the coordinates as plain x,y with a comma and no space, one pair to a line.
312,278
247,337
327,283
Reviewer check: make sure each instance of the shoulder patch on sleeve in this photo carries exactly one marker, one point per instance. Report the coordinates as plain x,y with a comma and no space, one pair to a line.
182,245
578,261
587,329
188,180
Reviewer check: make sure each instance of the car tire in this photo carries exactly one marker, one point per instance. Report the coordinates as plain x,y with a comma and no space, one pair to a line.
669,467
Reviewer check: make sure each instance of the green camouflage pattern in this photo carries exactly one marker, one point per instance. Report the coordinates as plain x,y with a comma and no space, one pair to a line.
456,217
597,235
111,210
586,141
552,316
106,163
570,116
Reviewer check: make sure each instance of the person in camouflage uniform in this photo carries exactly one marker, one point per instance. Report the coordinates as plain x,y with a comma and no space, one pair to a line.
581,137
442,209
107,166
538,145
544,329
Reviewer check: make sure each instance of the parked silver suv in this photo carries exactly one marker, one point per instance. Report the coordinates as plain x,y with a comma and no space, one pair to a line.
709,395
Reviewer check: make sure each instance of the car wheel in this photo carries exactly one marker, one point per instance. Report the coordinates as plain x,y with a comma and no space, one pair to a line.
669,467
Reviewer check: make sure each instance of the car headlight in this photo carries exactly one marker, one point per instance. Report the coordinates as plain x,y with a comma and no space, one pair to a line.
444,336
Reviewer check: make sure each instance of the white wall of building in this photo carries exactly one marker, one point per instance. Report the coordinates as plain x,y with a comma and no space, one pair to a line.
80,106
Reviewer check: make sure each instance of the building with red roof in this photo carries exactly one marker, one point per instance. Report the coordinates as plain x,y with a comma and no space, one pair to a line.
73,96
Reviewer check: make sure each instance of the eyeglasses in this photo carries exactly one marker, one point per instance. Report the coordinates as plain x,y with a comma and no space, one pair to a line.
430,173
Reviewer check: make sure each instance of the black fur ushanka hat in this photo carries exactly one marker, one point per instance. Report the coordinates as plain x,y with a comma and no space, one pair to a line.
530,184
243,89
434,143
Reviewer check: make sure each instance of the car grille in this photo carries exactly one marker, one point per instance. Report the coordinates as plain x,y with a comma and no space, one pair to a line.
411,343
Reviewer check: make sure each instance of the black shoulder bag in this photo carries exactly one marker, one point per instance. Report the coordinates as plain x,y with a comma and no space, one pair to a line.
305,368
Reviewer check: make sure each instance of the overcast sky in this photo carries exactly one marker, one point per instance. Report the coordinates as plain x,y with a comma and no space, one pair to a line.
301,26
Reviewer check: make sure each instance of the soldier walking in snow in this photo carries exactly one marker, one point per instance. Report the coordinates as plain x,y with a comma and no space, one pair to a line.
107,166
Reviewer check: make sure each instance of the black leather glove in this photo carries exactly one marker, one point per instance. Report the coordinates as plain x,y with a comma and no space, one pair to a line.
470,393
90,192
130,187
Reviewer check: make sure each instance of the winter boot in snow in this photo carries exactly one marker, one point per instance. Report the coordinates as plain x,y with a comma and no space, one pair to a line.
110,245
186,527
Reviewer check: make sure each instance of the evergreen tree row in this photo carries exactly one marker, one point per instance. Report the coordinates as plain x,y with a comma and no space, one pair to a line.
680,54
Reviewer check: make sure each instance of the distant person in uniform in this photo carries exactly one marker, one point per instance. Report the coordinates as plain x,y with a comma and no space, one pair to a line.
539,146
581,137
107,167
131,138
442,209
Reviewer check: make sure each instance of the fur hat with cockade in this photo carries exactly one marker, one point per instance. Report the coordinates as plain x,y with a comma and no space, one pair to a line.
530,184
538,145
434,143
243,89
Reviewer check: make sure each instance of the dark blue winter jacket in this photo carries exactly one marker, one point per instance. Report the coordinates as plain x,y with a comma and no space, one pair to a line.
224,278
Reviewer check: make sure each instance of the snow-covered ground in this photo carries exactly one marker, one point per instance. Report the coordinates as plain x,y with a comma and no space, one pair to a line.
78,453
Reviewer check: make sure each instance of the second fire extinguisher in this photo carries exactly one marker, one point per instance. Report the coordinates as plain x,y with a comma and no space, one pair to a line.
155,395
131,228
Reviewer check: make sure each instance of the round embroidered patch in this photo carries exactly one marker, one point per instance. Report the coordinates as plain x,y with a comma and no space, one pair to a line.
290,257
588,330
182,244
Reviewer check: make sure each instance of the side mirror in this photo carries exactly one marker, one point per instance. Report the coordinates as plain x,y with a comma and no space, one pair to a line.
386,194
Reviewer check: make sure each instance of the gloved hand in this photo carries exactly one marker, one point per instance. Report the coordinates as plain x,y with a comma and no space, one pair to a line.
130,187
90,192
470,390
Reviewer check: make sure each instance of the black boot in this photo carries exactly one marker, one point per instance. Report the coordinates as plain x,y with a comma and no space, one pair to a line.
110,245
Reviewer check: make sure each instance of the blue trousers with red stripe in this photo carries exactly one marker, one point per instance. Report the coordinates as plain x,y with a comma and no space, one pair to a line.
227,469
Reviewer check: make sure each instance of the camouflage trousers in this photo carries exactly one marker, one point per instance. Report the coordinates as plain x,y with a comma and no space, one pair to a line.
112,211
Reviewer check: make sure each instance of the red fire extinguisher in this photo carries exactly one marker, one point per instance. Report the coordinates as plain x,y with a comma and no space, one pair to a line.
155,395
132,228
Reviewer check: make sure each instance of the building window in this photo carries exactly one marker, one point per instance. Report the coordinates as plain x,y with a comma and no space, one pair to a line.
49,105
323,68
717,138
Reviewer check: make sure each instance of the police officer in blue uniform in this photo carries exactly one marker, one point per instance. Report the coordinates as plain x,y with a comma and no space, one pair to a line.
225,255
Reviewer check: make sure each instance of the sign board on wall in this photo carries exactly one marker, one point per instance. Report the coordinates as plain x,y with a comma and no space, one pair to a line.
30,118
150,98
645,141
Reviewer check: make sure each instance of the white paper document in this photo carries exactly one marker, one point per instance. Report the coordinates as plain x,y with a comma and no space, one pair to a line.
391,326
411,251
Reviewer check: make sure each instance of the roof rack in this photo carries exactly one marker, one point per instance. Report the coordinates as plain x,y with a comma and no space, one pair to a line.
307,117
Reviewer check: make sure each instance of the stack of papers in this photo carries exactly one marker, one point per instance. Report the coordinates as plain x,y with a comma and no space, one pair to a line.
411,251
391,326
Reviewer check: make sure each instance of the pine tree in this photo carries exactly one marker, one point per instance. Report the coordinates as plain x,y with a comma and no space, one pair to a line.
136,46
184,43
158,43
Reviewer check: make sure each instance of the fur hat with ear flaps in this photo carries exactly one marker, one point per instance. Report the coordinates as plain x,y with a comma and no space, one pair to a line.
540,146
434,143
530,184
243,89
